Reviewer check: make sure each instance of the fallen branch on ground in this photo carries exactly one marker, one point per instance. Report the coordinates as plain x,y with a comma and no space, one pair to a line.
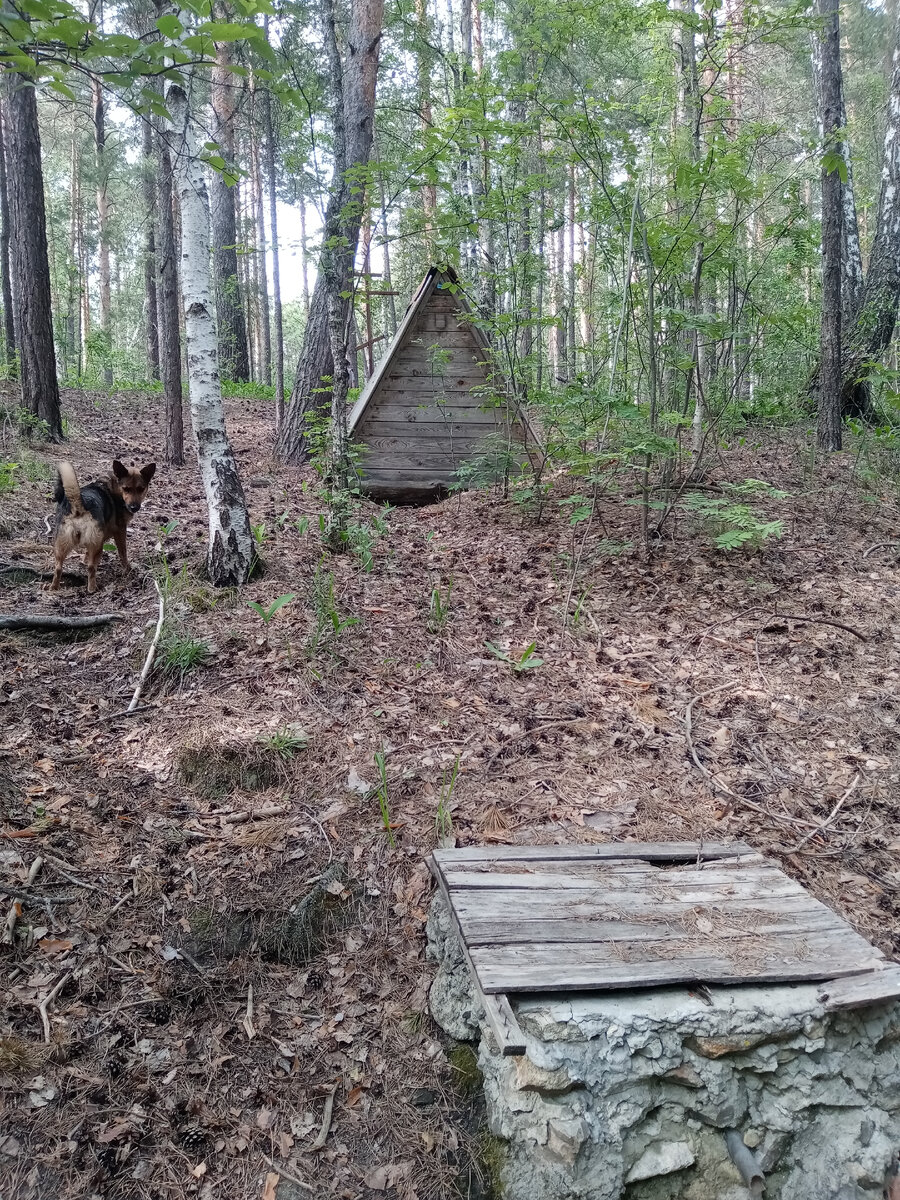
148,661
48,1000
49,621
880,546
819,621
322,1135
12,916
834,812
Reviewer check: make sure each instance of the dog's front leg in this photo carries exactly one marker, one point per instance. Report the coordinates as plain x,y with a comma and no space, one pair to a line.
121,546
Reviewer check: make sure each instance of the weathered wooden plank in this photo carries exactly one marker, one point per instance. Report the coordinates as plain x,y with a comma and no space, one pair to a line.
527,908
420,397
750,881
420,428
860,991
483,932
450,458
426,442
497,1009
673,852
576,966
440,366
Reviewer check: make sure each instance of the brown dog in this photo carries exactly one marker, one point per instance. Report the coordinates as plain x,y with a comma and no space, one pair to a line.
87,517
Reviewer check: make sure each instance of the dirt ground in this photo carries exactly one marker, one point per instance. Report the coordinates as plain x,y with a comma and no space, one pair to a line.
202,1041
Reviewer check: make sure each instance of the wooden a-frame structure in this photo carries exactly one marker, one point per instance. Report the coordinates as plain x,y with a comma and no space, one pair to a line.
428,407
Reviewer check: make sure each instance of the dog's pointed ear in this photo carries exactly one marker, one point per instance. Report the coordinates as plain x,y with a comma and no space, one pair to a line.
148,472
119,469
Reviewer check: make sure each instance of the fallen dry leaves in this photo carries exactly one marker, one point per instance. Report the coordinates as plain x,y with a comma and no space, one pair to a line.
185,1060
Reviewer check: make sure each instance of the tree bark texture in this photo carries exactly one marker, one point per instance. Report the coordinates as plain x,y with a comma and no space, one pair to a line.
354,106
829,418
867,339
262,272
103,272
276,261
9,331
167,307
230,552
151,326
234,354
30,264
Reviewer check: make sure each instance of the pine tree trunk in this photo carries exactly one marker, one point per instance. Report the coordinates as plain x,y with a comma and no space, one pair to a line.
73,265
276,262
426,118
386,244
30,263
265,334
230,552
103,272
150,303
9,330
829,420
234,354
342,221
868,337
169,322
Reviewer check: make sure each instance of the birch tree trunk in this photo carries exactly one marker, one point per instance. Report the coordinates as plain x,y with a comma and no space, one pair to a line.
343,215
167,306
30,263
230,552
265,333
829,417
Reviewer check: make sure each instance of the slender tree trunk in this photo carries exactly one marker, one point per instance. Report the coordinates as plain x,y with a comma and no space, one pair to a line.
103,271
265,334
230,552
829,422
426,118
168,308
342,220
234,355
386,245
73,265
30,263
868,337
304,265
150,305
276,262
9,330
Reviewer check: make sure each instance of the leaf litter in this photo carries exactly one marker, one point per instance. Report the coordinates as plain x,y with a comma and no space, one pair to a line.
200,912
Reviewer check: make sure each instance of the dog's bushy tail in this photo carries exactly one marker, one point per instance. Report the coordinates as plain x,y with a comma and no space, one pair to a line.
67,487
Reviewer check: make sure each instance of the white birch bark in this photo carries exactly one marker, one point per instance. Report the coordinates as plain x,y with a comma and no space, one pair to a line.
230,552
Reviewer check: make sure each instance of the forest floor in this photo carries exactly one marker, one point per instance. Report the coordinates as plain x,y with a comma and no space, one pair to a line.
198,1044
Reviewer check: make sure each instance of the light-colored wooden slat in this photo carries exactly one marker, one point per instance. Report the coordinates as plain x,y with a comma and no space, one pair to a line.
398,459
562,967
421,428
547,932
614,869
673,852
425,441
861,991
484,917
415,396
497,1009
749,882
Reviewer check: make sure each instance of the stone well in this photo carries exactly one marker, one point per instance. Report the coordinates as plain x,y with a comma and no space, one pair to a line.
632,1094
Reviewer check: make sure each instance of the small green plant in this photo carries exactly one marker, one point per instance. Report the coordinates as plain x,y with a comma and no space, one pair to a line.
381,791
301,525
179,653
443,821
163,531
260,533
439,607
329,623
8,476
287,742
733,523
527,660
266,614
281,521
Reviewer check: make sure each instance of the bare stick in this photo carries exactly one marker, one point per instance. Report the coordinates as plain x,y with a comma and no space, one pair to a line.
880,546
834,812
13,914
148,661
293,1178
322,1135
47,1001
818,621
50,621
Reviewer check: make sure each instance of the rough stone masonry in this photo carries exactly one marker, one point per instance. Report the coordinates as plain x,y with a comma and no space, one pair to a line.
631,1094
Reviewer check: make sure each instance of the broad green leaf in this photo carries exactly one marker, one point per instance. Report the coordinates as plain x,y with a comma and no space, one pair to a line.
169,26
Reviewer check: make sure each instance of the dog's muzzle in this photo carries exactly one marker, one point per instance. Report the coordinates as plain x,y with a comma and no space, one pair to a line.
133,508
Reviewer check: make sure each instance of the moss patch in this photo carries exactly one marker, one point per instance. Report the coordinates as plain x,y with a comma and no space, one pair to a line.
467,1078
215,765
